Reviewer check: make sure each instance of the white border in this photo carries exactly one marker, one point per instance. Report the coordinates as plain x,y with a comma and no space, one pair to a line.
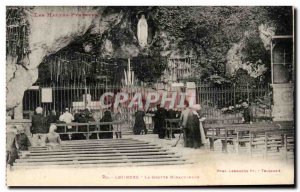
4,3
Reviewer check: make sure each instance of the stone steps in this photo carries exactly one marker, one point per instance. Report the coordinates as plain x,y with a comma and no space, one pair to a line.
106,152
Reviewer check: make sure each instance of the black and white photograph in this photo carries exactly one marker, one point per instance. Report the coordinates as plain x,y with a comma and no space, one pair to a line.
150,96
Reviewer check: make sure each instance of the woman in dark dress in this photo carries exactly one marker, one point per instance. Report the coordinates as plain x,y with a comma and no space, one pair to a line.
139,124
193,130
106,118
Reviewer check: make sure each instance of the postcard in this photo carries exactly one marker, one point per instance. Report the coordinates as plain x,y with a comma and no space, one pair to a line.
150,96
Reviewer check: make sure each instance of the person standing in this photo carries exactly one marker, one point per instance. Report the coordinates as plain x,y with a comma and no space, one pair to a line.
160,122
171,114
247,113
11,145
38,128
186,132
139,123
193,127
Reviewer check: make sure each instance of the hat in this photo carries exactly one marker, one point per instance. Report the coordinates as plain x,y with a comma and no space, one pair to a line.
39,110
66,109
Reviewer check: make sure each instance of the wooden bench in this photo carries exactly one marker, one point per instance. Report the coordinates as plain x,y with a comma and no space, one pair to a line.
219,128
265,135
89,128
273,142
262,119
258,134
236,133
289,146
269,139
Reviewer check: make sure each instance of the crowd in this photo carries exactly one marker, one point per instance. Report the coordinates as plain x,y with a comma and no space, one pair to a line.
18,141
189,121
40,125
44,131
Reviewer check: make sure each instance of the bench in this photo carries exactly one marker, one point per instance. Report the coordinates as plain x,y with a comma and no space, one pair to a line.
88,128
215,128
263,135
236,133
261,132
273,142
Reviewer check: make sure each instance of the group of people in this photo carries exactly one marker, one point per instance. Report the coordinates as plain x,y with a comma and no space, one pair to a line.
189,121
158,116
40,125
18,141
44,131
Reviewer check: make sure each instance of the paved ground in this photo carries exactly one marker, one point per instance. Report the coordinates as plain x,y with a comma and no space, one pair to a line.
204,167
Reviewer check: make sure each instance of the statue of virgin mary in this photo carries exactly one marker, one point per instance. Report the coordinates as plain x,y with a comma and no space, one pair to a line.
142,31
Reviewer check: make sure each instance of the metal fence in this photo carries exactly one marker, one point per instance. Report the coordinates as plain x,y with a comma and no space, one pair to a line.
226,100
74,97
215,101
78,98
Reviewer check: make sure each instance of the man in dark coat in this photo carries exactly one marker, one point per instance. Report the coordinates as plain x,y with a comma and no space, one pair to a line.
159,122
39,128
139,123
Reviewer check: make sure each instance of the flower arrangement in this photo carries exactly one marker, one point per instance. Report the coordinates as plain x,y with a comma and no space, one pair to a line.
235,109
